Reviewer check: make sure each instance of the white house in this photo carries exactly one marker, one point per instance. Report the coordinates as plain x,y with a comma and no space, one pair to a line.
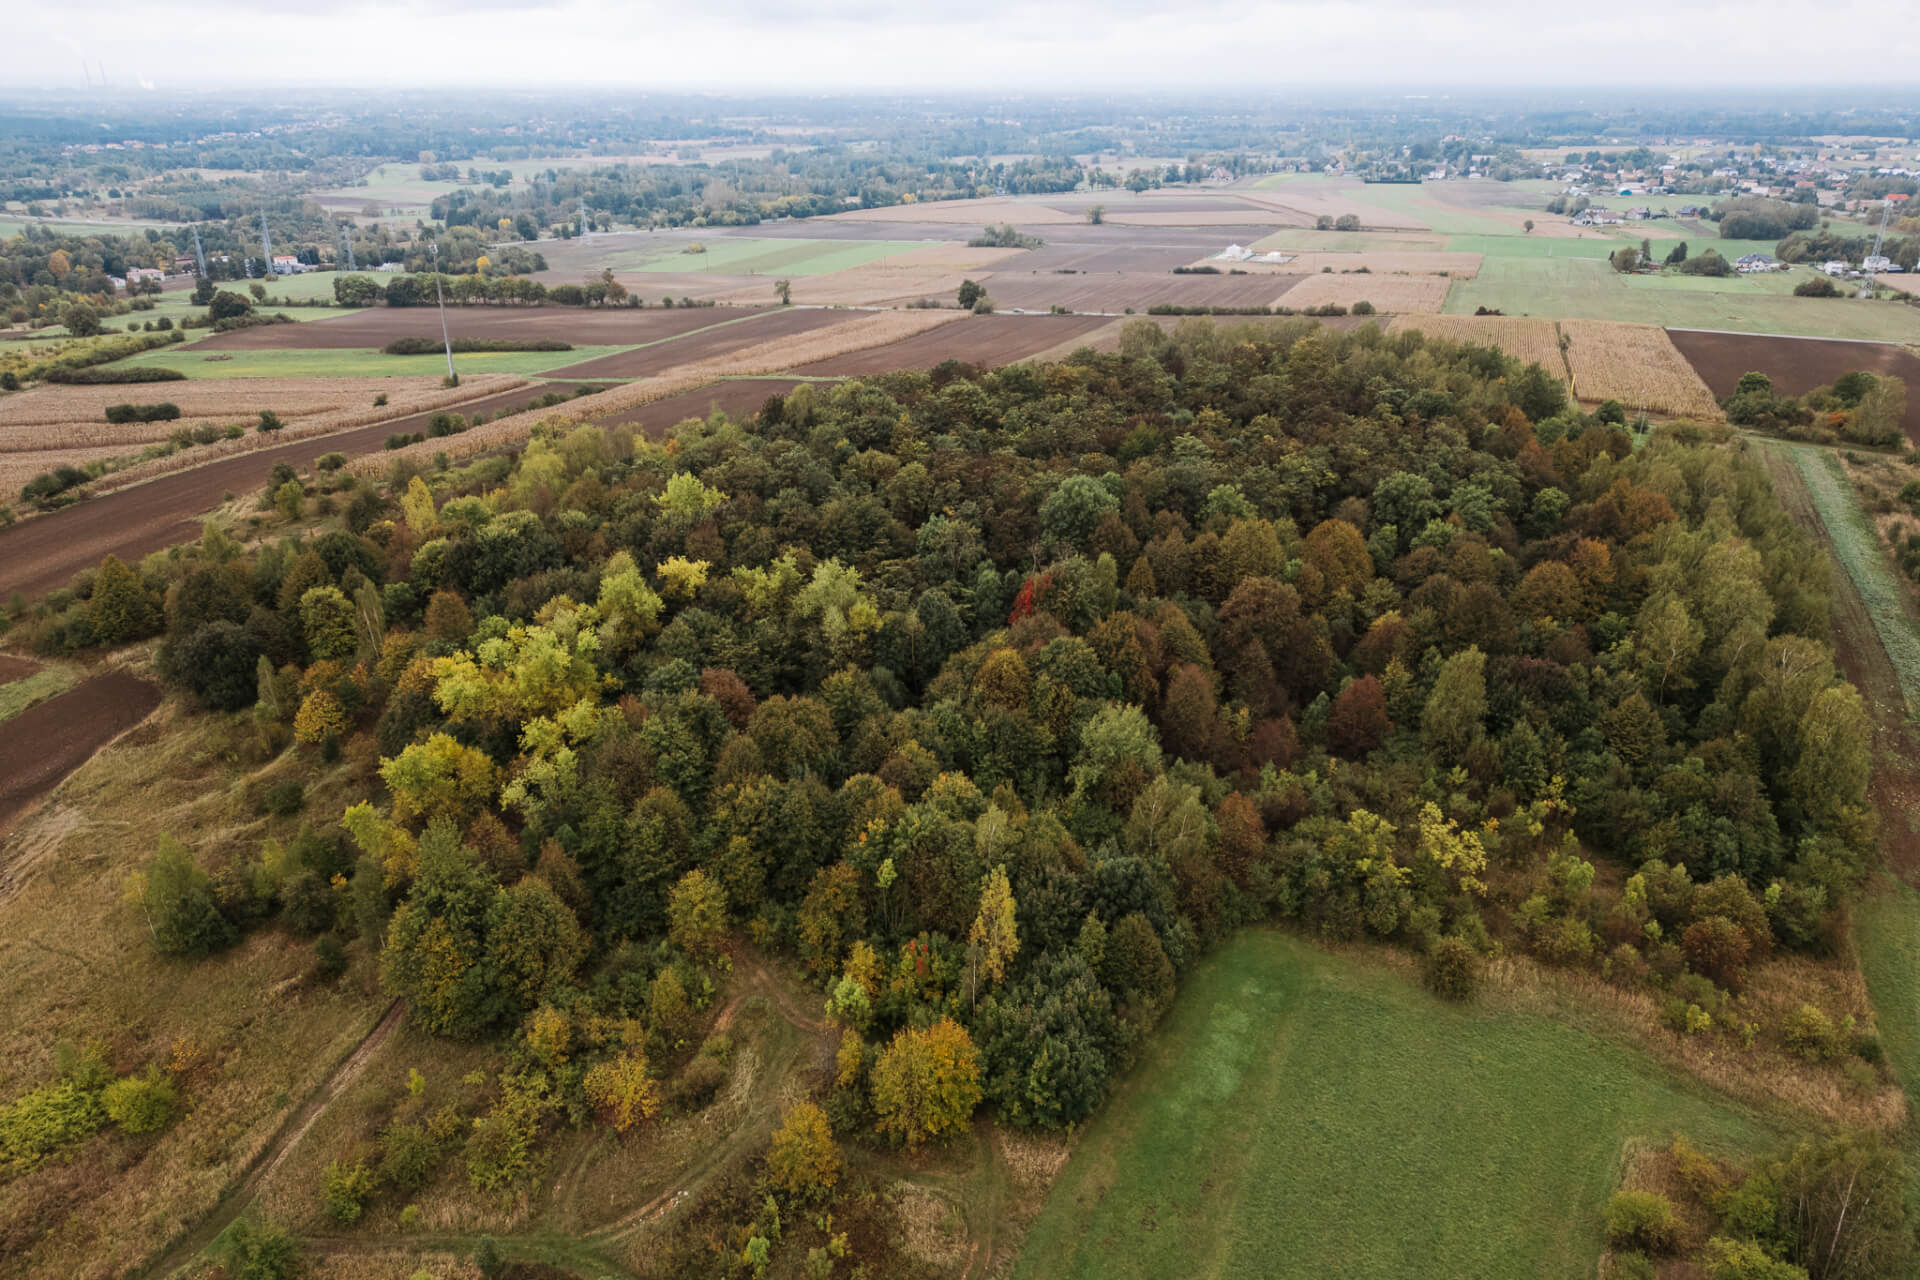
1835,268
1872,262
285,264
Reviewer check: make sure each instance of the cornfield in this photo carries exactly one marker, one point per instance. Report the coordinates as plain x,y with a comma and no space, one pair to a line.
1636,364
875,330
1528,339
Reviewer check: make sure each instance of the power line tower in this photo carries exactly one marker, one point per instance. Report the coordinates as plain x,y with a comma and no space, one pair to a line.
346,247
584,224
199,254
266,247
1879,241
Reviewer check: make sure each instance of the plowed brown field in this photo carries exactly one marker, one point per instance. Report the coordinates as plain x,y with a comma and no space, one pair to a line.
705,344
737,398
1118,290
984,340
1797,365
44,743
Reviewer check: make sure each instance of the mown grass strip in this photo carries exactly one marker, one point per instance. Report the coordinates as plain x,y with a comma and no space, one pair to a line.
1857,546
16,696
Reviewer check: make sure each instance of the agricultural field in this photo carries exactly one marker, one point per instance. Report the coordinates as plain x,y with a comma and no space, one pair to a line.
1635,364
964,213
1798,365
705,344
1528,339
738,398
984,340
753,255
1389,294
1455,266
1275,1126
378,326
1589,288
1120,291
348,362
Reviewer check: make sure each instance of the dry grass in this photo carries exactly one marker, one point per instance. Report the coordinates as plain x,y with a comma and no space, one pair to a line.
966,213
1305,203
931,1230
1636,364
77,965
872,330
1529,339
1249,217
1392,295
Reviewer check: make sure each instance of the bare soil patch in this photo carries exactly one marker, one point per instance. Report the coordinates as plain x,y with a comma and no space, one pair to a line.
704,344
12,668
984,340
44,743
377,326
1797,365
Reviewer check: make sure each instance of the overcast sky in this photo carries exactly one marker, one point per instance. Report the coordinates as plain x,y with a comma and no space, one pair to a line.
850,45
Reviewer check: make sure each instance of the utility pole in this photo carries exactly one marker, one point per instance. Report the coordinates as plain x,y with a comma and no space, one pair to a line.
453,379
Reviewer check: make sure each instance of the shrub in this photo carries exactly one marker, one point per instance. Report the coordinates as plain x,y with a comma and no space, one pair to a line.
1818,287
1453,969
284,799
124,413
1362,308
1811,1034
252,1250
408,1154
269,422
345,1189
1726,1259
181,910
43,1121
140,1104
110,377
329,958
330,461
1642,1220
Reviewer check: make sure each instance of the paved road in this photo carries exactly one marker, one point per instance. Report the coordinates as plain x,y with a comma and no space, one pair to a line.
42,554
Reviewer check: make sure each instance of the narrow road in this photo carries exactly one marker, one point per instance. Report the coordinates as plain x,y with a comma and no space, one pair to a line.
41,554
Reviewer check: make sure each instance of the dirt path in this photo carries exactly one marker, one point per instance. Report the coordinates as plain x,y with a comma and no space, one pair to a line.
1894,788
274,1154
49,740
43,553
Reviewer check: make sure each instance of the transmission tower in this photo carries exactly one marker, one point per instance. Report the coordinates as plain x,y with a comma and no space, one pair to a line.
266,248
1879,240
346,247
199,254
583,218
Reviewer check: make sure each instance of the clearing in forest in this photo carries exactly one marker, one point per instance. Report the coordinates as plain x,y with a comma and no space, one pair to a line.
1301,1114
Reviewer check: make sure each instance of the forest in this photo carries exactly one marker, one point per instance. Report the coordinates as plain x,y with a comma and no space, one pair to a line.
995,700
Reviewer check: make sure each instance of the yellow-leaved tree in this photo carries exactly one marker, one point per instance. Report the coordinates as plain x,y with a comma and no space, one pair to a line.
927,1082
804,1161
622,1091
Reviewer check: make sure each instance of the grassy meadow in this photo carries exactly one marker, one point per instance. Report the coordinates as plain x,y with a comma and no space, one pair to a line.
1302,1114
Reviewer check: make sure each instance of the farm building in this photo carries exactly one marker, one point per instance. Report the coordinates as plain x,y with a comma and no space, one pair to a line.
1747,263
136,274
285,264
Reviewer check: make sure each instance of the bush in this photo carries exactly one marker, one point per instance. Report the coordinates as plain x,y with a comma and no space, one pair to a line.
1811,1034
1453,969
252,1250
1642,1220
284,799
1818,287
1726,1259
1363,308
269,422
140,1104
345,1190
9,381
110,377
123,413
329,958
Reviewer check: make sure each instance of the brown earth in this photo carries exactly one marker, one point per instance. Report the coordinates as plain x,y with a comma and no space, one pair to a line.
12,668
984,340
704,344
41,554
1797,365
377,326
736,397
44,743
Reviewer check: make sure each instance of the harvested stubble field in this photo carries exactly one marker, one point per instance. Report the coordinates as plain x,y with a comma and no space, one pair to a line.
1635,364
1798,365
966,213
1529,339
1304,203
1395,295
871,330
881,284
984,340
737,398
1116,291
1256,217
52,426
378,326
705,344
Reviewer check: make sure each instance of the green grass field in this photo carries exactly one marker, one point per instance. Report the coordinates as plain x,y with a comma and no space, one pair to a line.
761,255
1567,285
1886,928
1304,1115
1858,548
359,362
17,695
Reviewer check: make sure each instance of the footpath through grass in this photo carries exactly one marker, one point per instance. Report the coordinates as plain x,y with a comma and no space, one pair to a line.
1856,544
1304,1115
